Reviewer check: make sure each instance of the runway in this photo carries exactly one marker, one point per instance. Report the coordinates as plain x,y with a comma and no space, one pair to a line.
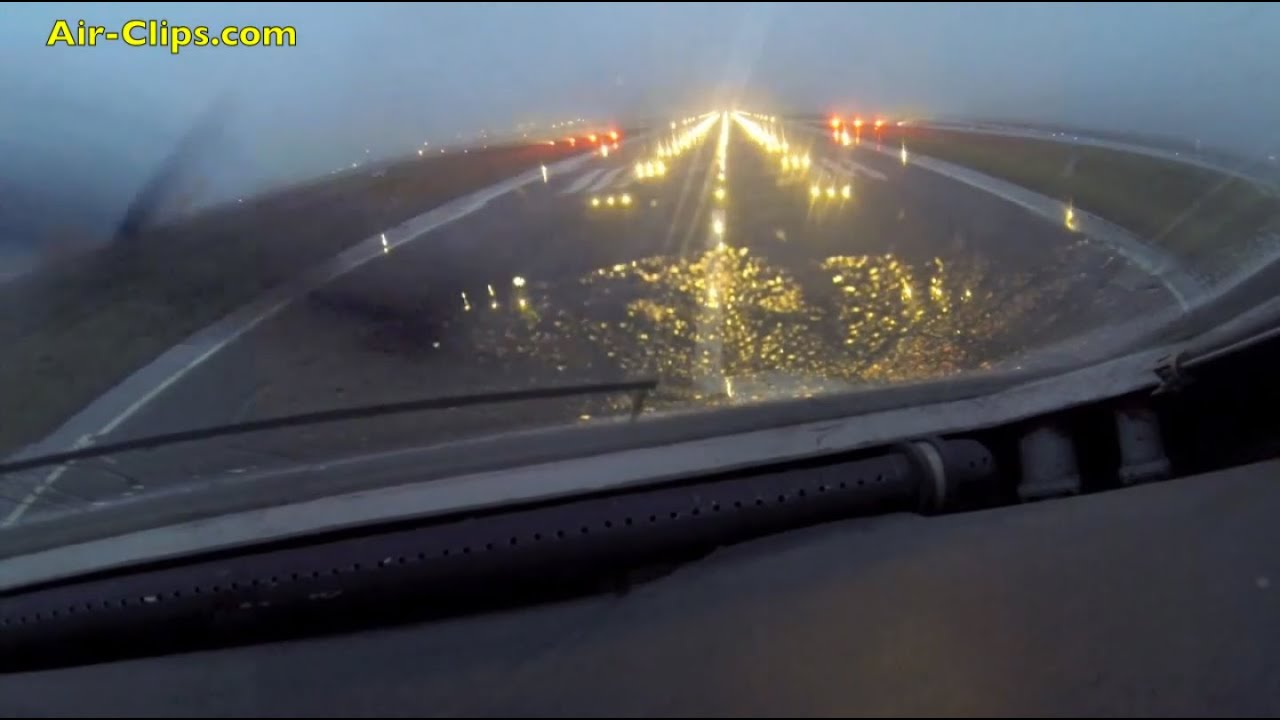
730,271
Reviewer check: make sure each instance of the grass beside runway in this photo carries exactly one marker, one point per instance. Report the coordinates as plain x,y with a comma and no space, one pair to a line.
1206,219
73,330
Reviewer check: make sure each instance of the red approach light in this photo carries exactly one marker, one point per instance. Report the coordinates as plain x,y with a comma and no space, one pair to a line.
592,137
613,135
835,123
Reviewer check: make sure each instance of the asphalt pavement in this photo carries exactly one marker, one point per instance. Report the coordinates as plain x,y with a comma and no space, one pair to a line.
734,276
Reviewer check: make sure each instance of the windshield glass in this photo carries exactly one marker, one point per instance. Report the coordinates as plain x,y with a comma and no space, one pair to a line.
220,214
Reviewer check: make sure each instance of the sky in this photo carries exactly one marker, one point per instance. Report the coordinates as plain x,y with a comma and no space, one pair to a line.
83,127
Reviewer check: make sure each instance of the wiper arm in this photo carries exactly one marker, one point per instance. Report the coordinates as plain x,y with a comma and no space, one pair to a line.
638,388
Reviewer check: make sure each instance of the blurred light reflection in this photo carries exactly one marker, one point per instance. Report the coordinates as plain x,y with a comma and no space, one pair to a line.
777,332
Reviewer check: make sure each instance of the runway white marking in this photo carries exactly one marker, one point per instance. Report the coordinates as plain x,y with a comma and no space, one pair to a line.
606,180
205,343
40,487
582,182
850,168
854,166
1183,287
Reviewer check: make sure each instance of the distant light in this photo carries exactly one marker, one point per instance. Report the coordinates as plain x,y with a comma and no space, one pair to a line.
385,248
544,173
814,191
595,202
719,193
604,151
517,281
592,137
846,192
904,154
626,199
717,226
523,303
419,152
613,135
610,201
835,122
831,191
857,122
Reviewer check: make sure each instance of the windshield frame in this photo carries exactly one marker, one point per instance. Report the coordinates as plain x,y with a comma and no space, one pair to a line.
532,466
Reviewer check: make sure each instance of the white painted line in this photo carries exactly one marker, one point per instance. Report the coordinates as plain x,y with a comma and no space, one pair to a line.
606,179
1117,145
1181,285
832,166
40,487
584,180
151,394
850,168
1184,287
855,167
207,342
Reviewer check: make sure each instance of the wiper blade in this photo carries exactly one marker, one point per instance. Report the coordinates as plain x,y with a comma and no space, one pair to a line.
638,388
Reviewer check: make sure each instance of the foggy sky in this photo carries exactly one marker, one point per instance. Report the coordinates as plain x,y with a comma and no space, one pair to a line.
92,122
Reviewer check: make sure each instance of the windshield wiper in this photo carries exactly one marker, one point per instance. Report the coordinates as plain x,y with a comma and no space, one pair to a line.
638,388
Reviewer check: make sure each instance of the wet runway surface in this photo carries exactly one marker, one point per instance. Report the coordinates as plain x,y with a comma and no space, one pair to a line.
706,256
